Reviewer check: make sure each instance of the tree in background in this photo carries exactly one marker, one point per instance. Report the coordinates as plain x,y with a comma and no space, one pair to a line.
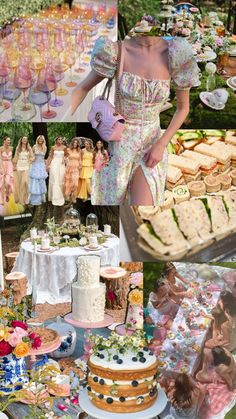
133,10
151,273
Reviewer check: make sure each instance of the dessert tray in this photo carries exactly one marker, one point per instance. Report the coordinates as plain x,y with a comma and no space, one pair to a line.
149,413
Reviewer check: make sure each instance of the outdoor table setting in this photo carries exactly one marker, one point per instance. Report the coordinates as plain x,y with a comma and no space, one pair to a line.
181,349
45,56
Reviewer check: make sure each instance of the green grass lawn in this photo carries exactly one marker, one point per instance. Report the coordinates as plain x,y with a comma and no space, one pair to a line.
231,414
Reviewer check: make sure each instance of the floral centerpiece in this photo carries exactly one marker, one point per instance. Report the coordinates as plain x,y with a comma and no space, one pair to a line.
16,340
184,25
219,44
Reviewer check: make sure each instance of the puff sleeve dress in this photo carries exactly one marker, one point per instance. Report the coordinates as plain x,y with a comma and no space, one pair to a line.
140,102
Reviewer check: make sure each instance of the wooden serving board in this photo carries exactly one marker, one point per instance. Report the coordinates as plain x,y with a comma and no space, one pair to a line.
217,251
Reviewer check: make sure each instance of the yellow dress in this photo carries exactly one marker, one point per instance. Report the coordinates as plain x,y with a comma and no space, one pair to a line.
84,187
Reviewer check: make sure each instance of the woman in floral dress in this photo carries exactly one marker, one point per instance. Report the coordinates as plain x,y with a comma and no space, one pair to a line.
73,165
138,162
6,171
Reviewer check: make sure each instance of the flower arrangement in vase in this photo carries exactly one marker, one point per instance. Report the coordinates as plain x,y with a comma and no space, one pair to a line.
16,340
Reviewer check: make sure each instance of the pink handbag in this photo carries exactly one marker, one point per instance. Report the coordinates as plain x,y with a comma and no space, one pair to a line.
103,116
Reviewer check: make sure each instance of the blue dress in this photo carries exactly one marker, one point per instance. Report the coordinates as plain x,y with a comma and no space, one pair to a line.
37,176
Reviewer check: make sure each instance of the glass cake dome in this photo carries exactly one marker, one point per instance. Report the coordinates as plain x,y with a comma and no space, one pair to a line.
91,223
72,217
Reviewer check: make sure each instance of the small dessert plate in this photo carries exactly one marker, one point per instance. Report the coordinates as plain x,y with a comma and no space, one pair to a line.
231,82
92,248
49,249
205,98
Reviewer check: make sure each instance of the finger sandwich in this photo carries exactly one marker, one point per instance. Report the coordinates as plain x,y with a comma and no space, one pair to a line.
208,164
223,157
189,168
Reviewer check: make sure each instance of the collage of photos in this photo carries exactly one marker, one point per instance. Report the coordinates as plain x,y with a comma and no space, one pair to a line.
117,209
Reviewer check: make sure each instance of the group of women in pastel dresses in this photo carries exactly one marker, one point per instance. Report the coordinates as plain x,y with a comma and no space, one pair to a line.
186,393
69,168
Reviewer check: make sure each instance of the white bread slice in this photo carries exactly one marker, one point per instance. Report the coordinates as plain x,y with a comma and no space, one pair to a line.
230,137
173,174
185,165
181,193
219,216
185,222
191,178
225,147
221,156
168,200
166,228
206,162
170,185
190,144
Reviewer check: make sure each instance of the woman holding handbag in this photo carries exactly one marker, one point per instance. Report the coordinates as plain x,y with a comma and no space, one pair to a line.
145,64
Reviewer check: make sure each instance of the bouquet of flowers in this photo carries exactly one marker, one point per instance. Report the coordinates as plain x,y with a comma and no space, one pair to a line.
219,44
16,339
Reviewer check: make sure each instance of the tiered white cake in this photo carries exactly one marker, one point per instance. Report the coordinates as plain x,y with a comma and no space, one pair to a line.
88,293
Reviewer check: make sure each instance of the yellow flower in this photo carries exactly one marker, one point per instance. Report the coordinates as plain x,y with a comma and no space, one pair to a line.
136,297
4,333
21,350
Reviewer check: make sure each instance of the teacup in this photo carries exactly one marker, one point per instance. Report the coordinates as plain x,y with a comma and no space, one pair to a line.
221,95
211,99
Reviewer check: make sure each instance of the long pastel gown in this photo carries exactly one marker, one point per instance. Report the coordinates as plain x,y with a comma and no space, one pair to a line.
37,179
84,187
100,161
6,178
56,179
23,164
140,102
72,174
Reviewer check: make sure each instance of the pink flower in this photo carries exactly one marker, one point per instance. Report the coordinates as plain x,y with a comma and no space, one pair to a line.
219,41
15,339
18,323
36,343
179,24
136,278
21,332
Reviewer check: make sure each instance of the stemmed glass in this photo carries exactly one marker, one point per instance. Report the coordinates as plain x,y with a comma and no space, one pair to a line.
80,49
47,83
4,72
23,80
11,93
59,68
69,59
38,98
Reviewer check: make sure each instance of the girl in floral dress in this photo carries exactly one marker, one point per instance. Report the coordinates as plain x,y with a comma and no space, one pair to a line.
22,162
73,165
100,156
6,171
148,64
38,173
84,187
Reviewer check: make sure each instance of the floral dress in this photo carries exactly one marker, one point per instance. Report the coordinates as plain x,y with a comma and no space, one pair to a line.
6,177
140,103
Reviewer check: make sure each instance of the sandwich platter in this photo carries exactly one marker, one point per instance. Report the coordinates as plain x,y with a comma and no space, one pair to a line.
197,221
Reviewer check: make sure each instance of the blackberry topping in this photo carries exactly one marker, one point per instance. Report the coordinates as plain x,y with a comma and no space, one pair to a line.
100,396
89,388
122,399
134,359
152,393
134,383
145,349
140,353
122,350
119,361
142,359
95,379
101,356
109,400
101,381
115,357
151,353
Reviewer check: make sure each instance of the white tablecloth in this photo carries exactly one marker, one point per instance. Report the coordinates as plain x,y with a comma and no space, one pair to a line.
56,271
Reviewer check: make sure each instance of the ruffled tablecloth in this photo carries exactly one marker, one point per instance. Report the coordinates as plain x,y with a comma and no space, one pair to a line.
56,271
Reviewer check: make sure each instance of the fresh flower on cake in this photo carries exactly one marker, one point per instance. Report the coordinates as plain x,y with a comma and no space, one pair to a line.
115,341
136,279
15,338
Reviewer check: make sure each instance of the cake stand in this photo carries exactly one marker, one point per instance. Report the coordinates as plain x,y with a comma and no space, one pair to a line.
97,413
46,349
108,320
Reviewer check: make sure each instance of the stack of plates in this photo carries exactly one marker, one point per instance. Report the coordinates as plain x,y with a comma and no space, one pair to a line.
231,82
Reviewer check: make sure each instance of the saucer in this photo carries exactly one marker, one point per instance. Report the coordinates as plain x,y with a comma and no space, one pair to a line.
93,248
206,56
231,82
204,99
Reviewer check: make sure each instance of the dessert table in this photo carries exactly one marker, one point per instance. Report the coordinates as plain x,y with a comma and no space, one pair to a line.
56,270
181,349
20,410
